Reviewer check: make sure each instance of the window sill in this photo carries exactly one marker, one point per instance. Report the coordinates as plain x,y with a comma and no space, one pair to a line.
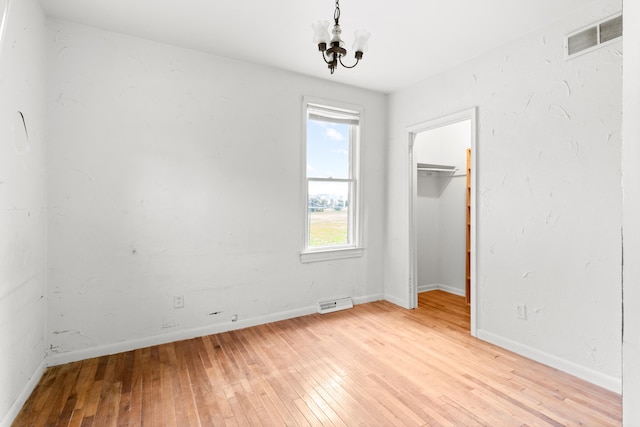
330,255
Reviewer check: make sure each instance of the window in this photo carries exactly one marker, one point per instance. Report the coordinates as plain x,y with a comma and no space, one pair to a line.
332,134
597,35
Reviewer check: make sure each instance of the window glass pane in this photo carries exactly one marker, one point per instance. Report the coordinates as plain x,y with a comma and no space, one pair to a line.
327,150
611,29
583,40
328,208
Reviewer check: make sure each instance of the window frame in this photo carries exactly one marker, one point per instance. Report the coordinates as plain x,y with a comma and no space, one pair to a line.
354,248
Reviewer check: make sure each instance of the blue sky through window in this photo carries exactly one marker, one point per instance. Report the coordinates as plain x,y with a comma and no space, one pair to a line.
327,150
327,155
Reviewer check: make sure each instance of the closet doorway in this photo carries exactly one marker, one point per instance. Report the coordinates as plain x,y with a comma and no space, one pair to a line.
442,207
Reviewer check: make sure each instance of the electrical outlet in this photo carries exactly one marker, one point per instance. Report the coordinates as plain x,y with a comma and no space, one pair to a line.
522,311
178,301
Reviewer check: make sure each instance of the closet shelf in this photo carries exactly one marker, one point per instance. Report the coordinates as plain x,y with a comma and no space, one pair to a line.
436,168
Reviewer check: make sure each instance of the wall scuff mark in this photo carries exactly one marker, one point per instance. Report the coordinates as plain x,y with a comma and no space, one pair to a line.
80,171
20,134
558,108
527,101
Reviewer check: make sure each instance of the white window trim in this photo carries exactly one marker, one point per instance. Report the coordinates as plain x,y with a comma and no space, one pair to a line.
308,255
331,254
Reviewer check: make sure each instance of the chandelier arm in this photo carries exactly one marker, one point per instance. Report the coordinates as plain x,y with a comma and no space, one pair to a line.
347,66
324,56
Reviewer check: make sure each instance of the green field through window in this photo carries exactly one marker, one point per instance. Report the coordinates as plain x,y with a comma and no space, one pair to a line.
328,228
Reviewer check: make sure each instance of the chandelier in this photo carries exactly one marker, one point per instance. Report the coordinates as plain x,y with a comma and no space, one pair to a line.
333,54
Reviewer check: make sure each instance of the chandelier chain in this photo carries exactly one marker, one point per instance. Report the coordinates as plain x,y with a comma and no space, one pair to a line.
336,14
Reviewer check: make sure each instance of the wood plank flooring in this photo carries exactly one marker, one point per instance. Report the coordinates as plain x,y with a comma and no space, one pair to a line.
374,365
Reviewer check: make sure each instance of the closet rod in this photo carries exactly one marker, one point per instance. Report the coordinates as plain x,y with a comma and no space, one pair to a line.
452,176
437,169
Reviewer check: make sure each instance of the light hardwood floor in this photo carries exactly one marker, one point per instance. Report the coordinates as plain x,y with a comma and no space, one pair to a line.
376,364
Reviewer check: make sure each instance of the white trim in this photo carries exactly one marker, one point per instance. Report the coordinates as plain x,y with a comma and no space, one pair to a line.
330,255
452,290
440,287
103,350
397,301
474,223
441,121
594,377
13,412
3,22
468,114
367,299
412,299
427,288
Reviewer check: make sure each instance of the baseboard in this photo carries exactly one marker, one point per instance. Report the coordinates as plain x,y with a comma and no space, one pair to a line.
368,299
594,377
397,301
24,395
441,287
104,350
452,290
427,288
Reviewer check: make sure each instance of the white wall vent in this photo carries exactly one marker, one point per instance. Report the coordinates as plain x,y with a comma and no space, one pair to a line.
334,305
594,36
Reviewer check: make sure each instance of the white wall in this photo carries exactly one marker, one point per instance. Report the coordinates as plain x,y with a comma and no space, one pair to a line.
174,172
428,232
441,208
22,204
631,212
548,194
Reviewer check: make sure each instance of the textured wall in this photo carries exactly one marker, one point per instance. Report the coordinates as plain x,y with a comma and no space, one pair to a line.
548,194
631,188
22,203
174,172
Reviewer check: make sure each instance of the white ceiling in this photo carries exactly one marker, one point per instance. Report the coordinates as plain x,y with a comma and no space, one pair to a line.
410,39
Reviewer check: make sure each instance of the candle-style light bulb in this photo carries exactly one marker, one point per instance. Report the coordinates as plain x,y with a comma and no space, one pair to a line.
320,32
361,42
